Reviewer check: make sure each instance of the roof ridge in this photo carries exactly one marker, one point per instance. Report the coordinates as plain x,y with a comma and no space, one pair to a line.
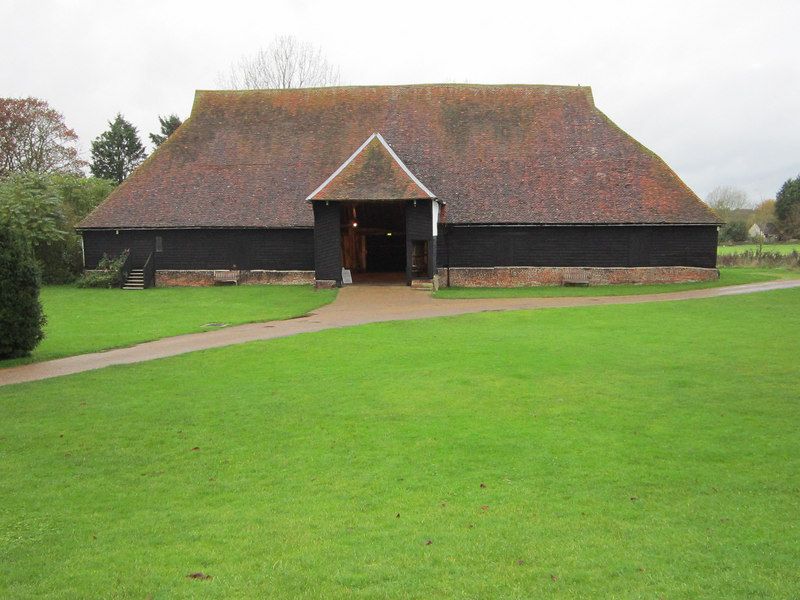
397,86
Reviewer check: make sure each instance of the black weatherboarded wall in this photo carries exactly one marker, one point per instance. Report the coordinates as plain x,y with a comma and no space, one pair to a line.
419,227
576,246
327,241
269,249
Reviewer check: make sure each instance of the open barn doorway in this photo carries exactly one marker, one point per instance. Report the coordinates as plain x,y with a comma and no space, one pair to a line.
374,241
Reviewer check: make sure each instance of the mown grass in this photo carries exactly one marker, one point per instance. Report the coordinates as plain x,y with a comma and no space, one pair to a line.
741,248
88,320
729,276
637,451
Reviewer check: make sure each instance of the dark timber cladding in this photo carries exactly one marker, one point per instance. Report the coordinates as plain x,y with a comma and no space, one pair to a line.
486,175
419,237
571,246
269,249
327,242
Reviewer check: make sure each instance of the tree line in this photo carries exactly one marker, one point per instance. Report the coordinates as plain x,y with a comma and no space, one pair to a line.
777,219
44,193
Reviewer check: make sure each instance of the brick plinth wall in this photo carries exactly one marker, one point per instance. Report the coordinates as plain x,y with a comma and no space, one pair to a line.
533,276
199,278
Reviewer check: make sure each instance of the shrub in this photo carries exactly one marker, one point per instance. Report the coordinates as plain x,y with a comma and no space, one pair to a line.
757,258
733,231
44,208
62,260
109,273
21,316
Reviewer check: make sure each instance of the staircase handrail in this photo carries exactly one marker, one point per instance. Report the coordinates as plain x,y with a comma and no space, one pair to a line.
149,271
125,269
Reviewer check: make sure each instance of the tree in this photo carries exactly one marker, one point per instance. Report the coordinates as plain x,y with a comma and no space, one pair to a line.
726,200
733,231
21,316
764,213
730,204
787,207
34,137
80,195
285,63
61,261
117,151
168,126
30,206
44,210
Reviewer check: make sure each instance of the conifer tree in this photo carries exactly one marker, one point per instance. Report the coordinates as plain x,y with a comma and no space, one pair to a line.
168,126
117,151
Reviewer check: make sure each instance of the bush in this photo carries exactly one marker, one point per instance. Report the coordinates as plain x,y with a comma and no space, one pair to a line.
62,260
44,208
21,316
109,273
758,258
734,231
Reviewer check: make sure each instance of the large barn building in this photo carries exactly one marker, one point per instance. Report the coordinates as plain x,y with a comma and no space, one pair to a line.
474,184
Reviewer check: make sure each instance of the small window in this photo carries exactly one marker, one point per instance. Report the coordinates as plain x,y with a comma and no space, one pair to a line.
159,244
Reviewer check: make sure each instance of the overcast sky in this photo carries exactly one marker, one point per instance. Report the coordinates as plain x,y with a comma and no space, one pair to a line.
712,87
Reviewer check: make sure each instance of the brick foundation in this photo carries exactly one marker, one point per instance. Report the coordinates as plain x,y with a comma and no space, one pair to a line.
199,278
534,276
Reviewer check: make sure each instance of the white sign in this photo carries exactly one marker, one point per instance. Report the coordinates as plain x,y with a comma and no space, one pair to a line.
347,278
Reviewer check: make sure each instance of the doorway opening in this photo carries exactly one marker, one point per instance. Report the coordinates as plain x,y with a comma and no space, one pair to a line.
419,258
374,241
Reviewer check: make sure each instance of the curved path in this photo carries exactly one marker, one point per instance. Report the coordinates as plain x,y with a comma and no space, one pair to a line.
355,305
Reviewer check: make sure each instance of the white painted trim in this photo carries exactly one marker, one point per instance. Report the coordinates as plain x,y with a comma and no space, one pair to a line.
435,217
357,152
341,167
403,166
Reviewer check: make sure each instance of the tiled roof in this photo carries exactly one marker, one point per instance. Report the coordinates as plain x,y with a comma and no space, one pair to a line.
373,172
493,154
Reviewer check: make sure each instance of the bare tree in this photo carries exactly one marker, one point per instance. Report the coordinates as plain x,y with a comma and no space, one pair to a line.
726,199
285,63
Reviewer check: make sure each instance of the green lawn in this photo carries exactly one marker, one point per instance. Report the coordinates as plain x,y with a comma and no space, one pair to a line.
779,248
637,451
729,276
88,320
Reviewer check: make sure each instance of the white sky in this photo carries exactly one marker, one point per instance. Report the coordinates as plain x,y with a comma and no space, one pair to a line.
713,87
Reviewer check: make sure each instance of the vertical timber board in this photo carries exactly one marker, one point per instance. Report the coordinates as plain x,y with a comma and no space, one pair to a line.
327,241
419,227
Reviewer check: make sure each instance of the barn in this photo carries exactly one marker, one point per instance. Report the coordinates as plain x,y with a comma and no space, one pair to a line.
462,185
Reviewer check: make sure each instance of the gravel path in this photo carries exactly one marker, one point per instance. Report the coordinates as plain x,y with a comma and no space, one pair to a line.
355,305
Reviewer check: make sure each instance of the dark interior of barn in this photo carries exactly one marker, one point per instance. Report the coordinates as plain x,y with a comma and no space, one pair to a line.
373,238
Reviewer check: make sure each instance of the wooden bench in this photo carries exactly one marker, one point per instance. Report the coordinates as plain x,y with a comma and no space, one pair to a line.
576,280
227,277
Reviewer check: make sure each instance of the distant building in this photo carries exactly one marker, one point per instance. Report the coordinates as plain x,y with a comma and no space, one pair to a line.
766,231
755,232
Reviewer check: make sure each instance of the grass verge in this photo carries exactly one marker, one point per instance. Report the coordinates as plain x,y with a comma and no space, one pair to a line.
89,320
740,248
